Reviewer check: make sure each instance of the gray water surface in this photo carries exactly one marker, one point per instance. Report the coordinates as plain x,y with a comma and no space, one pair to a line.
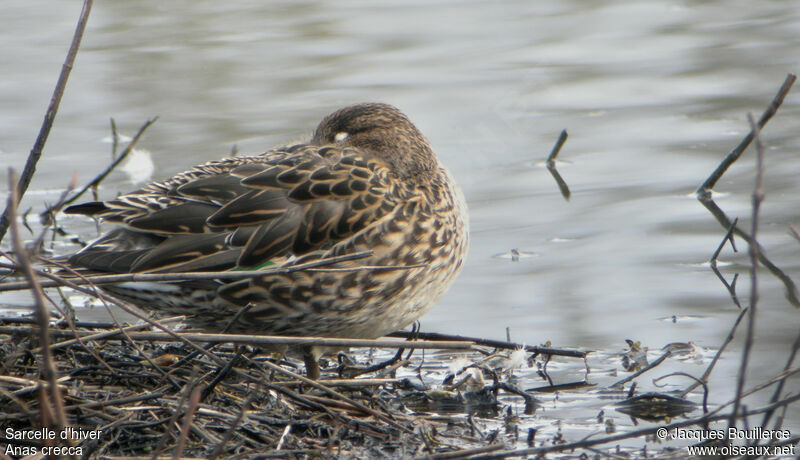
652,93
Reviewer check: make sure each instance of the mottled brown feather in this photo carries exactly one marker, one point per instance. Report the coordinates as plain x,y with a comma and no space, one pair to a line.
366,181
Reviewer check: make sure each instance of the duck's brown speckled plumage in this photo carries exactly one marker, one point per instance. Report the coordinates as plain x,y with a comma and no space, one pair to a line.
367,180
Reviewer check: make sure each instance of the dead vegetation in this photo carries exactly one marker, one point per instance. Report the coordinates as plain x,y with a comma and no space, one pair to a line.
119,391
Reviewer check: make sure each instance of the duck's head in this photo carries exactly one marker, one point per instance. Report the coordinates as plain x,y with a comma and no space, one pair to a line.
383,131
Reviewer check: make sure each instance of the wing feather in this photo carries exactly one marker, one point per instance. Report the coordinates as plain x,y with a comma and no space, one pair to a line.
245,211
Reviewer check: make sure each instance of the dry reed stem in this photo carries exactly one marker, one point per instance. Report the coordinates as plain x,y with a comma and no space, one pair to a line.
52,402
246,339
492,343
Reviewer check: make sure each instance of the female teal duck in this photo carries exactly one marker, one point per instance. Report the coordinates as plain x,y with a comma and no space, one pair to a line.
366,181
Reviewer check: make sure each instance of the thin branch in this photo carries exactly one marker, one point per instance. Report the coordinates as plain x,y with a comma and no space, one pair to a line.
99,178
465,453
704,191
551,165
788,283
641,433
114,138
779,389
711,365
102,335
491,343
731,287
562,184
47,366
48,215
232,428
690,376
641,371
194,400
794,232
758,197
49,116
333,393
562,138
247,339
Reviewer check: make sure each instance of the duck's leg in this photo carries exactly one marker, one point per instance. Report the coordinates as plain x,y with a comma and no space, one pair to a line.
312,363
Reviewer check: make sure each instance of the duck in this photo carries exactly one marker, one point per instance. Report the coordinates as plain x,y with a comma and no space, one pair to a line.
367,182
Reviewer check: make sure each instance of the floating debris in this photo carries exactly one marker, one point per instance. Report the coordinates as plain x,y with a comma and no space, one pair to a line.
515,255
655,406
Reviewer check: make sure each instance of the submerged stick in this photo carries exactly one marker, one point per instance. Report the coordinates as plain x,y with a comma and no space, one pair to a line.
731,287
551,165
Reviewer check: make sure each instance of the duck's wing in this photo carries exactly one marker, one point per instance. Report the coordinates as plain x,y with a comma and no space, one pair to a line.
243,211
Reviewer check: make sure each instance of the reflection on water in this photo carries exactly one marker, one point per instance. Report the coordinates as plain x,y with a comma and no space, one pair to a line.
653,94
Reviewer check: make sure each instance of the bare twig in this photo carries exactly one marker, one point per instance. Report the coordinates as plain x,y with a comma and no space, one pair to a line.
789,362
562,184
562,137
103,335
641,433
345,383
48,215
696,381
284,435
233,426
711,365
491,343
49,116
551,165
794,232
704,191
335,394
758,197
731,287
641,371
465,453
250,339
53,400
194,400
114,138
99,178
791,289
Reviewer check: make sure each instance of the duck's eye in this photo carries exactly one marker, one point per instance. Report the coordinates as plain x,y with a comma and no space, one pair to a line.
339,137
